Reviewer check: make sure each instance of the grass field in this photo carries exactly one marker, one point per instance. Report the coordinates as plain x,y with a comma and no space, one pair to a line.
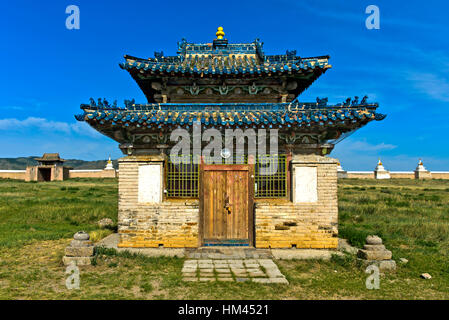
38,220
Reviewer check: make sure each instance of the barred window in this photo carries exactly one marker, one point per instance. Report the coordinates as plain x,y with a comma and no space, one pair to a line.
182,180
271,176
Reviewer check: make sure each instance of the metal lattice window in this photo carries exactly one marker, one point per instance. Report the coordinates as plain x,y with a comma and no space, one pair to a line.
271,176
182,180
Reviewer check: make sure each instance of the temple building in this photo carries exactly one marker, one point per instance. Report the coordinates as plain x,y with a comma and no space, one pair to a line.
50,168
282,196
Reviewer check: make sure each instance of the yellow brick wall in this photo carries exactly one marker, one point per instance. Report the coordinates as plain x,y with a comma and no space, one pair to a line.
171,224
303,225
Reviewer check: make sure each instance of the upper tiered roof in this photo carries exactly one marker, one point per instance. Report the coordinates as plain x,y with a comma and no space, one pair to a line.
243,66
233,59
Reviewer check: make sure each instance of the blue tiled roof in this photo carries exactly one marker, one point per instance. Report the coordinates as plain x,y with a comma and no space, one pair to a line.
247,58
228,65
238,114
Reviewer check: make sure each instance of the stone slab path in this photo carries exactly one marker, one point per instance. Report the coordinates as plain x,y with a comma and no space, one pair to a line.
233,270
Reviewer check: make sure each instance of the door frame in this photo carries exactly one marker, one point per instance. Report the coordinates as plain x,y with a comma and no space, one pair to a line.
228,167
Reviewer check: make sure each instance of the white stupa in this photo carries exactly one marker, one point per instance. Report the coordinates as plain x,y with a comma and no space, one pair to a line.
421,172
420,166
340,172
109,165
339,167
380,172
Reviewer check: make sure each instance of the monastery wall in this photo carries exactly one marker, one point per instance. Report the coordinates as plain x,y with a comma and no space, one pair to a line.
360,174
402,174
92,174
440,174
394,175
21,174
13,174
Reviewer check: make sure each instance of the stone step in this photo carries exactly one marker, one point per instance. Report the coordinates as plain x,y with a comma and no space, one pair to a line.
225,253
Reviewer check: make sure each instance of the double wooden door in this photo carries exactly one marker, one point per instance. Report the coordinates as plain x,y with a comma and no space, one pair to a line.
227,205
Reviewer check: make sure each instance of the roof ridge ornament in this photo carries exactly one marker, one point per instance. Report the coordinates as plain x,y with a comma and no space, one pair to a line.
220,33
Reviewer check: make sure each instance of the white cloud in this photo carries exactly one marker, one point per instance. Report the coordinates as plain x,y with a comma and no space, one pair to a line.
436,87
82,128
363,146
68,146
42,124
346,12
12,107
361,155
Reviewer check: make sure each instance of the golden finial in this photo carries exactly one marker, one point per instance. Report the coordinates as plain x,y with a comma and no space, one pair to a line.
220,34
380,162
420,162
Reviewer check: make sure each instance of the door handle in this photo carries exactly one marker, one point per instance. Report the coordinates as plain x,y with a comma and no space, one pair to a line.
227,205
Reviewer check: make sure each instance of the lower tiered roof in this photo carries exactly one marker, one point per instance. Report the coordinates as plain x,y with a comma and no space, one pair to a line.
230,114
287,117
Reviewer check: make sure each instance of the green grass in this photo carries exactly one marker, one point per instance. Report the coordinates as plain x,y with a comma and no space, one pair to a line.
38,220
53,210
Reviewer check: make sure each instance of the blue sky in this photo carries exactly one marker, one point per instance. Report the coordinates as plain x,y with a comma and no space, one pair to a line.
48,70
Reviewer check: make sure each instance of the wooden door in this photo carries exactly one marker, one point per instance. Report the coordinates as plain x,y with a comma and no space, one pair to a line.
226,205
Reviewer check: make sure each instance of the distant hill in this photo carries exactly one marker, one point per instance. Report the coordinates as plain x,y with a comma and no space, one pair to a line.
22,163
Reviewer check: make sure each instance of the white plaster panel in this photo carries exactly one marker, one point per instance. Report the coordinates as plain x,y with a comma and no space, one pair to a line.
382,175
306,188
150,183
